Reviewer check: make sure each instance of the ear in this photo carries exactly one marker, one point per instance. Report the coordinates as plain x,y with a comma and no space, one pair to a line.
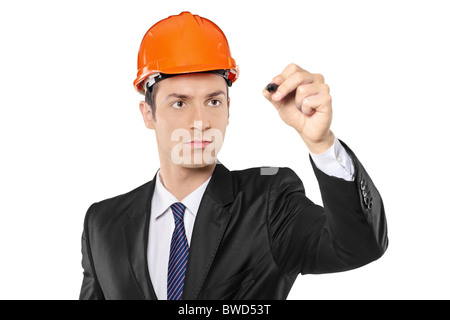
146,112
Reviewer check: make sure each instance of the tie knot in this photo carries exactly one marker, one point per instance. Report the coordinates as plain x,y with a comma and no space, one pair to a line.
178,211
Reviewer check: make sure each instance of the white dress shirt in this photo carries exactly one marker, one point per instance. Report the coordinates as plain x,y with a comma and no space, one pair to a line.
334,162
162,225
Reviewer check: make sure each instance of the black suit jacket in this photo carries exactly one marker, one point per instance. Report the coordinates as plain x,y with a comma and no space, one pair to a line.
252,236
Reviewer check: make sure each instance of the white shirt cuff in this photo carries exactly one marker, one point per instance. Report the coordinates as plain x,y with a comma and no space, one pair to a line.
335,162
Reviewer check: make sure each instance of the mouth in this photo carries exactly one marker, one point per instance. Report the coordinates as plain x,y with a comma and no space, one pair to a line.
199,144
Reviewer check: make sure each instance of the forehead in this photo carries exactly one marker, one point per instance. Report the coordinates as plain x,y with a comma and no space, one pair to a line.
192,83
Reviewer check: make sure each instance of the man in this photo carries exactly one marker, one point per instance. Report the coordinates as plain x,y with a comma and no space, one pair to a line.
200,231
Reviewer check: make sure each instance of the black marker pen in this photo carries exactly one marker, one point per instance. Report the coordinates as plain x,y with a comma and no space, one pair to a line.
271,87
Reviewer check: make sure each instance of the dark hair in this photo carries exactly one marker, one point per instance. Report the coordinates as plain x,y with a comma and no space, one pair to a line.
150,94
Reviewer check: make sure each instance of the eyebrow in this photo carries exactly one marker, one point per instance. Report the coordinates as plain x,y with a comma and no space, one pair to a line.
187,97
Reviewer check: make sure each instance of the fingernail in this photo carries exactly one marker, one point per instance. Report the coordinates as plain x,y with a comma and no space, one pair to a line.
276,96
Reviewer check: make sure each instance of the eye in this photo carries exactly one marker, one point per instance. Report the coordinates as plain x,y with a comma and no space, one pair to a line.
178,104
214,103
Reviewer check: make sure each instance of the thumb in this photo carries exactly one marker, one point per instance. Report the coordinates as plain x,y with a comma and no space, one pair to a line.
268,93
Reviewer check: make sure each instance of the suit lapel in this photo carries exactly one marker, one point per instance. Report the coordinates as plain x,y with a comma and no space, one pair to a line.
210,224
135,232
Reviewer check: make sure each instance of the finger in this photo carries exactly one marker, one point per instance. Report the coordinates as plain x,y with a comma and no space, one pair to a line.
286,73
292,83
320,102
290,70
267,94
310,89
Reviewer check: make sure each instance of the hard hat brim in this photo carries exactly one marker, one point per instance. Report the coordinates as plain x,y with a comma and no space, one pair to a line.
145,73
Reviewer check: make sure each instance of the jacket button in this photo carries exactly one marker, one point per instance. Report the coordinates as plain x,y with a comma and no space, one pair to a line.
363,187
366,201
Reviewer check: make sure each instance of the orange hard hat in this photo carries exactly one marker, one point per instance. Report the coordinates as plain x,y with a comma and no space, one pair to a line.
183,44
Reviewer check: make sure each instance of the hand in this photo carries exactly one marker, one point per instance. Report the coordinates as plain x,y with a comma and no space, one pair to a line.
303,102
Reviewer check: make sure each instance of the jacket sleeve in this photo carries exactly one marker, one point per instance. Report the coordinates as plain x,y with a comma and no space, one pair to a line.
90,288
349,231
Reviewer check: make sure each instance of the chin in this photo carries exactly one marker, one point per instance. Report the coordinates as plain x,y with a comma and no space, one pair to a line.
194,158
197,164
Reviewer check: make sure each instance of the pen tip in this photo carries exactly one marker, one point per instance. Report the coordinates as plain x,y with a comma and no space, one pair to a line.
271,87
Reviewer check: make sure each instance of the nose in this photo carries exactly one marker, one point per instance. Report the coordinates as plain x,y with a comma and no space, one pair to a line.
199,119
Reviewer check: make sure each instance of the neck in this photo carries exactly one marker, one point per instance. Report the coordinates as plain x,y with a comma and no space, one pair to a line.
181,181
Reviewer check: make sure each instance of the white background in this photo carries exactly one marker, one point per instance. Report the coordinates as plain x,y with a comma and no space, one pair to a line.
71,132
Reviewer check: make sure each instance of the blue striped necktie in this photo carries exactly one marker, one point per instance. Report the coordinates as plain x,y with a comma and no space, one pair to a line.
179,251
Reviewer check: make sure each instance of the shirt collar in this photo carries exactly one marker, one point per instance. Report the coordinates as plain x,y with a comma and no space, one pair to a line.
163,199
